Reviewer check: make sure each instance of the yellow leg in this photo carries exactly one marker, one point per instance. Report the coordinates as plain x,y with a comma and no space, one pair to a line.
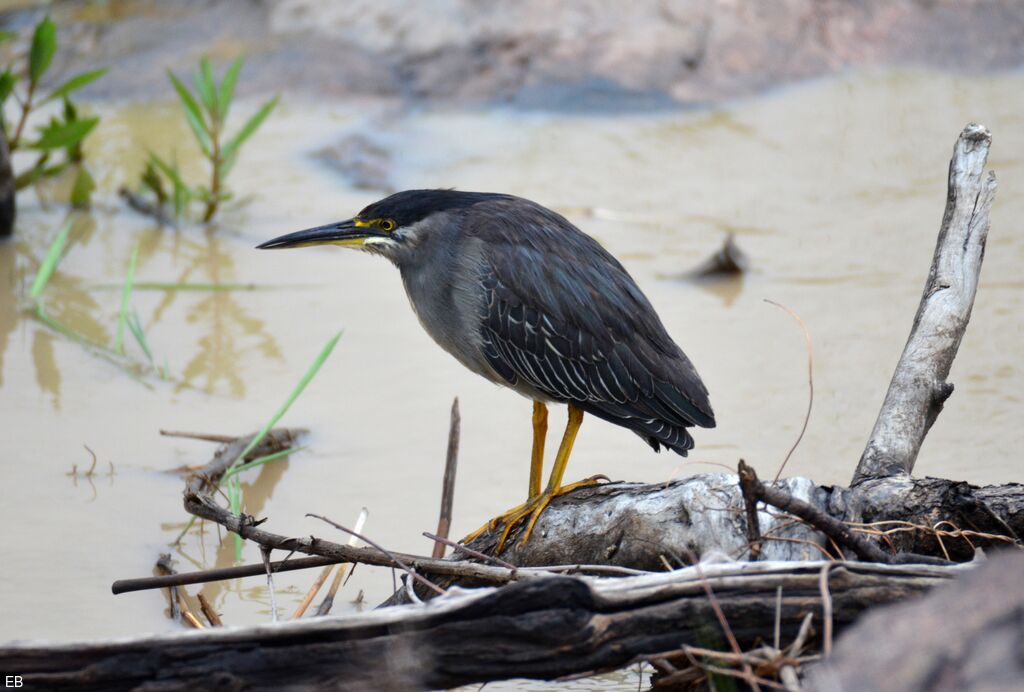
534,507
540,432
538,501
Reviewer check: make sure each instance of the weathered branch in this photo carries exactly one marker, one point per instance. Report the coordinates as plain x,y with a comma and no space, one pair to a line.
482,635
919,387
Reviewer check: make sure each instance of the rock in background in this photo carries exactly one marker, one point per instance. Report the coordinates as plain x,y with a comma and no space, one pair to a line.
571,54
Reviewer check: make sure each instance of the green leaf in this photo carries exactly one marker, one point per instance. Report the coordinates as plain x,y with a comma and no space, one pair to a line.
44,46
8,35
151,179
208,88
193,114
182,193
76,82
81,192
227,88
182,197
50,261
170,171
126,295
58,135
231,148
7,82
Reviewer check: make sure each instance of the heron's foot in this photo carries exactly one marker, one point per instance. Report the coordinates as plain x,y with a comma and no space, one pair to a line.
532,508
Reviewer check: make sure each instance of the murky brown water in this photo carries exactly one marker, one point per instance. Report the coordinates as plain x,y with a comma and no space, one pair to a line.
834,189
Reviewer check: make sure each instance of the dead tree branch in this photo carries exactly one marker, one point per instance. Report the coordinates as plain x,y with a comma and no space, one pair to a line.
919,387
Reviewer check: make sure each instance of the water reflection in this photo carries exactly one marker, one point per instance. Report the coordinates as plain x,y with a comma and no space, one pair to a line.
221,352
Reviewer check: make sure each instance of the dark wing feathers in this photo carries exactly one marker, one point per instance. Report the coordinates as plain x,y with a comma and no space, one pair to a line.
562,314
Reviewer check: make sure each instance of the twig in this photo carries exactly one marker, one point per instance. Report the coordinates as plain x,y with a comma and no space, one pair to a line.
444,521
208,575
832,527
826,609
748,673
325,605
328,602
211,615
179,605
748,479
313,591
141,205
265,552
469,551
408,570
209,437
810,382
778,617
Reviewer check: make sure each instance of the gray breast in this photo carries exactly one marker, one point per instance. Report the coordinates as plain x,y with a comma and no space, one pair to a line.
441,276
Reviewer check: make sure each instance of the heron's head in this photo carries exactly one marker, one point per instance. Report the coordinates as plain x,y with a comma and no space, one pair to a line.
388,226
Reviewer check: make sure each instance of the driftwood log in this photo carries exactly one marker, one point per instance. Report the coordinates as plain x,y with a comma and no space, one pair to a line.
964,636
547,626
467,636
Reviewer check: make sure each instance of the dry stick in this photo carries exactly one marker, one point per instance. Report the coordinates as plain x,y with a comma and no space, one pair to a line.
325,605
444,521
787,673
208,575
211,615
919,388
826,609
408,570
313,591
265,552
179,605
748,479
748,673
469,551
328,602
832,527
223,439
810,382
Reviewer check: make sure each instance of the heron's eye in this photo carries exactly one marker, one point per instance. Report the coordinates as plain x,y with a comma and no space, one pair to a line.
387,225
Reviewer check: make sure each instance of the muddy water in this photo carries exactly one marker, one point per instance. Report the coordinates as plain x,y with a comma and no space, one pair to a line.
834,189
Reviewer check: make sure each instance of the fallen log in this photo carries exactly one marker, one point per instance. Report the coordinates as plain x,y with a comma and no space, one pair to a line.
963,636
480,635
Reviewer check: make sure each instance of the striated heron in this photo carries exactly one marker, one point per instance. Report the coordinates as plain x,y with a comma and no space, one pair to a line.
525,299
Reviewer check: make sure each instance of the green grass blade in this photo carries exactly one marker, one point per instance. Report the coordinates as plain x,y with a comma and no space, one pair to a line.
236,500
299,388
259,461
44,46
50,261
227,87
193,115
126,295
135,325
76,82
250,127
